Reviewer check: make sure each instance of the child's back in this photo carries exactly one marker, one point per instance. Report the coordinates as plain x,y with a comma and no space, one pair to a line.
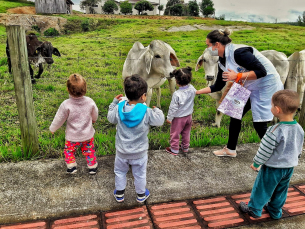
284,141
133,122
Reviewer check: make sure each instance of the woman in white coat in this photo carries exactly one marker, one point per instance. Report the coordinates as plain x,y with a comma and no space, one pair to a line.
243,62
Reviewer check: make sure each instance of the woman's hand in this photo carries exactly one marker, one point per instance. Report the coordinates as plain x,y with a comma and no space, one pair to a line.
230,75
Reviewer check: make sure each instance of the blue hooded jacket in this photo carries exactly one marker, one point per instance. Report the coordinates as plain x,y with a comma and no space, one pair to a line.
134,117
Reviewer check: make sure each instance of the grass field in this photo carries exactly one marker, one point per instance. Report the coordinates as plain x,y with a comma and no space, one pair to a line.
7,4
99,56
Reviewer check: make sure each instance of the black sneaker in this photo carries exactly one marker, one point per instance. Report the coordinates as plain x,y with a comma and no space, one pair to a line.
93,171
244,208
71,170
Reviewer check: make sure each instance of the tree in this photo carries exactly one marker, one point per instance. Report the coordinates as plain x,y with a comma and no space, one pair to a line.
89,3
109,7
169,5
207,8
143,5
160,8
301,19
193,8
176,10
126,7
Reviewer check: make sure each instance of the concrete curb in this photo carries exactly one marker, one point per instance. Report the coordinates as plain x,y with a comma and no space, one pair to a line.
38,190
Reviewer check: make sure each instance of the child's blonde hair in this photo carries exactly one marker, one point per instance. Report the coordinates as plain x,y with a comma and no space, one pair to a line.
76,85
287,100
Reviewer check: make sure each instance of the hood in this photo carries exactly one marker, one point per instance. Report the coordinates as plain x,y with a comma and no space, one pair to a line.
133,117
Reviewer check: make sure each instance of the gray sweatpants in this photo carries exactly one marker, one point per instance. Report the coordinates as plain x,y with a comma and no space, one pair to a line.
138,167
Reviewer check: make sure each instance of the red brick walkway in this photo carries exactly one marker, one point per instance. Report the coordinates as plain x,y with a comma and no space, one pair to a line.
216,212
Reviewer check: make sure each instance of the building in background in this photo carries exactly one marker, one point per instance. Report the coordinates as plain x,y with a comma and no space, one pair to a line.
98,8
53,6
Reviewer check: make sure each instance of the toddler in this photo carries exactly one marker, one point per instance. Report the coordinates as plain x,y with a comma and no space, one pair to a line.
278,154
180,111
133,119
80,112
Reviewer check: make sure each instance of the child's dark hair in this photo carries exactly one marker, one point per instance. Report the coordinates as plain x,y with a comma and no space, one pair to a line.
76,85
287,100
134,87
182,75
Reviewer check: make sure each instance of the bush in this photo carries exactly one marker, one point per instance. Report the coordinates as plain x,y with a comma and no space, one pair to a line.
50,32
36,28
85,25
93,22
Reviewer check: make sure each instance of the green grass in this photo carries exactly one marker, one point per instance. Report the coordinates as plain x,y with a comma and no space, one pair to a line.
7,4
99,56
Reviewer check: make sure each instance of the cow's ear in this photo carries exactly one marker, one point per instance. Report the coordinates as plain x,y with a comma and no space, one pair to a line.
174,60
199,63
148,57
56,52
38,50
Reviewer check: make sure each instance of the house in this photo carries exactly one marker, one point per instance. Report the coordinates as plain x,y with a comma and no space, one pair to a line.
53,6
98,8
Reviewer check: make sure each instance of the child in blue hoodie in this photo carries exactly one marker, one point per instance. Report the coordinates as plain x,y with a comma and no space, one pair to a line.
133,119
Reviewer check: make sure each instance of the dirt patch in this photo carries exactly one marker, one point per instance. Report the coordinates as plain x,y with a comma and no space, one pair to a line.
22,10
29,20
205,27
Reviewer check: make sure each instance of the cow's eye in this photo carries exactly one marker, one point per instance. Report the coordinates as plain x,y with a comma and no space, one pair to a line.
157,56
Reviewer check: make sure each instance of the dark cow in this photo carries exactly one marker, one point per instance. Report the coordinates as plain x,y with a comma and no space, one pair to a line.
38,53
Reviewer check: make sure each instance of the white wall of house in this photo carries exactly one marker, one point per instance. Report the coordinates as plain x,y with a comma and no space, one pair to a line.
98,9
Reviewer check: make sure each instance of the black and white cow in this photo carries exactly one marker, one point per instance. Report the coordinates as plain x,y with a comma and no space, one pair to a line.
38,53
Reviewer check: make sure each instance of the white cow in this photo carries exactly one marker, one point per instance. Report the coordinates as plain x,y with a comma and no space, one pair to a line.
296,76
154,64
278,59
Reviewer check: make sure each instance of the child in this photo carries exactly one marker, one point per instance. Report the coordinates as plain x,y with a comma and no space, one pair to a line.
180,111
80,112
278,154
133,119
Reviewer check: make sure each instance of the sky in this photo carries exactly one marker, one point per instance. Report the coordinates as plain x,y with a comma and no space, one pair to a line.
251,10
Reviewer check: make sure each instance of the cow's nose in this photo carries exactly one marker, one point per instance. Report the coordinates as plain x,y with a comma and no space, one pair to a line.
50,61
209,78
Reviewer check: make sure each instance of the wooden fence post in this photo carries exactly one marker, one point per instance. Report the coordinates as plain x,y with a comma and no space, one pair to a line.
23,89
302,113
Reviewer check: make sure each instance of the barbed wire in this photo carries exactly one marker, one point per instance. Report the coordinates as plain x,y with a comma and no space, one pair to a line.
150,39
131,59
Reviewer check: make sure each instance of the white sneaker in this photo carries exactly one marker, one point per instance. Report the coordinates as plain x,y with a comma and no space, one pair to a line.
224,153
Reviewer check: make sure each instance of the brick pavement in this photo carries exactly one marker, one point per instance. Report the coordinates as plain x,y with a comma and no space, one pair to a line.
214,212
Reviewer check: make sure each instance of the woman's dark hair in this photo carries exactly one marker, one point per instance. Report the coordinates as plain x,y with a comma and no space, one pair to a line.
221,36
134,87
182,75
76,85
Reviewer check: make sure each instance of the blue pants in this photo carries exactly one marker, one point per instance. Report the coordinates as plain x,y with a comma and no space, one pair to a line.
271,186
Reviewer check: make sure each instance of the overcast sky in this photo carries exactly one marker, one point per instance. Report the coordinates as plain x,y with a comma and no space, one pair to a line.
251,10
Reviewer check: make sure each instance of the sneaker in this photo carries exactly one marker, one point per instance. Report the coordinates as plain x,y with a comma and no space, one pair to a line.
244,208
184,150
92,171
168,149
142,197
224,152
71,170
118,197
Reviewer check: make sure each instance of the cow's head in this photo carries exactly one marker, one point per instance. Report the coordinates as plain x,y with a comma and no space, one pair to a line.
210,65
46,50
160,59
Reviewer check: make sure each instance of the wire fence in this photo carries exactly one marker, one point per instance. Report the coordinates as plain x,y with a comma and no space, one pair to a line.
100,71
